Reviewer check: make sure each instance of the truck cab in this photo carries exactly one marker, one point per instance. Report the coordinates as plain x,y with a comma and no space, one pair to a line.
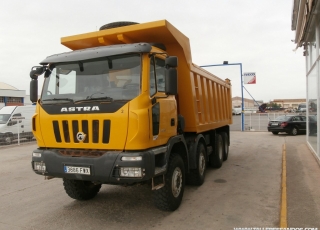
126,82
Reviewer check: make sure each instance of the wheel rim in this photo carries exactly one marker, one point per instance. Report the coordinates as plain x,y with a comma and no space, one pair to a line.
8,140
294,131
176,182
202,163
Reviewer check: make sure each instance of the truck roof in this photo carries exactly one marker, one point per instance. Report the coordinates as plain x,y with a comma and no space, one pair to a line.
7,109
151,32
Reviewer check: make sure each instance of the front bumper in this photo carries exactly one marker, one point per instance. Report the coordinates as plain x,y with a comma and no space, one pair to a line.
104,166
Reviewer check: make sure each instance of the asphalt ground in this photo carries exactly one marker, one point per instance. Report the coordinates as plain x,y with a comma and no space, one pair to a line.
244,193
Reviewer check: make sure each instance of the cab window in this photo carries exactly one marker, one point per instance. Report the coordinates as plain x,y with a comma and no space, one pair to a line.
160,70
152,86
157,76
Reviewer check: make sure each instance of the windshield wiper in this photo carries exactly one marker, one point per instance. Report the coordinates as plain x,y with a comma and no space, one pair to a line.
58,99
90,98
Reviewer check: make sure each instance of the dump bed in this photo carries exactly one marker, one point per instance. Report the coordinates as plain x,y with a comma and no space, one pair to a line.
203,99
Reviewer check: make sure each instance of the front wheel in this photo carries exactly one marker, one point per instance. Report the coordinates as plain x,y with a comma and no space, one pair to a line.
81,190
168,198
8,139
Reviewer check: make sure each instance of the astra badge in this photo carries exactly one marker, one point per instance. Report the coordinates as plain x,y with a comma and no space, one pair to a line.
81,136
80,109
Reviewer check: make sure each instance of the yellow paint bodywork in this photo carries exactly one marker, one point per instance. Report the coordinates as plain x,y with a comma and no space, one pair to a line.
131,125
118,132
204,100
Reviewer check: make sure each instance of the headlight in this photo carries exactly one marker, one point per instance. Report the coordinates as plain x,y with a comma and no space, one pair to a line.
130,172
36,154
39,166
139,158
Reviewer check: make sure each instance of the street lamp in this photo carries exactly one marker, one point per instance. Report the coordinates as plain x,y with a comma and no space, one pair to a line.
225,63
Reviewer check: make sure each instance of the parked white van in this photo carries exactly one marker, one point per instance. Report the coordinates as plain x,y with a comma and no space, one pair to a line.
14,120
236,111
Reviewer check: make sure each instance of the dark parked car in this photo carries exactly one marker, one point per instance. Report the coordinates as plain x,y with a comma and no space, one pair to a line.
292,124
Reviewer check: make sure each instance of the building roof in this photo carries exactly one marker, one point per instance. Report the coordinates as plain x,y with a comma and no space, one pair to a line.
289,100
304,19
6,86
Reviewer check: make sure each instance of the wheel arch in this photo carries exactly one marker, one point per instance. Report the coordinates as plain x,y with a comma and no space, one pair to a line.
178,145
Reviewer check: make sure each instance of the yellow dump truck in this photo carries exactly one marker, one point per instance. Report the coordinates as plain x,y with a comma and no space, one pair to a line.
127,106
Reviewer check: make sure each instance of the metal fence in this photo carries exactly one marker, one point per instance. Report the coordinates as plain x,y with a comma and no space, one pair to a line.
254,121
17,141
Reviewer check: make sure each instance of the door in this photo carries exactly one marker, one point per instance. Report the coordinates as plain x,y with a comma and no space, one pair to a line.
164,110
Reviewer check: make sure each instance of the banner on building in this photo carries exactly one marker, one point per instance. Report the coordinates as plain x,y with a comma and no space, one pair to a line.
249,78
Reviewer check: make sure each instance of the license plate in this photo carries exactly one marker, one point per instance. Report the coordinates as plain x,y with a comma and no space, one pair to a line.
77,170
274,123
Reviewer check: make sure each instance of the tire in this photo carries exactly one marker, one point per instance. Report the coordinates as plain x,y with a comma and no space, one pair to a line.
8,139
225,139
196,176
216,158
275,133
168,198
29,138
294,131
81,190
116,24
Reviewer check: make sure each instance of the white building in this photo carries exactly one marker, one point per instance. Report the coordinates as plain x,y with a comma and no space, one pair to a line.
10,95
306,23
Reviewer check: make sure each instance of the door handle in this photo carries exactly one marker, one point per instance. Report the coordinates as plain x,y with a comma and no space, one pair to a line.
172,122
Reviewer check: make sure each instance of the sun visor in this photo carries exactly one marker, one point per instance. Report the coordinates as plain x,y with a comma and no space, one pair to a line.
97,52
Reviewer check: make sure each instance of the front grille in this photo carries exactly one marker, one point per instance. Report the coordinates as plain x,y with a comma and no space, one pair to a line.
81,153
67,130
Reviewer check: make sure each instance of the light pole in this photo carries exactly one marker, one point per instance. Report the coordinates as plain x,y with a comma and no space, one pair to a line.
225,63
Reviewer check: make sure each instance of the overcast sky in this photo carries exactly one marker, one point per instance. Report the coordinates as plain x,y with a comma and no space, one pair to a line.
256,33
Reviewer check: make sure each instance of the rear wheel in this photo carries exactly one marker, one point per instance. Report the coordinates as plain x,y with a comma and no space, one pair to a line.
294,131
216,158
275,133
81,190
168,198
196,176
225,139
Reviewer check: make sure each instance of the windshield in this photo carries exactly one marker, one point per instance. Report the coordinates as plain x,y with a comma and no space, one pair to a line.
110,78
4,118
283,118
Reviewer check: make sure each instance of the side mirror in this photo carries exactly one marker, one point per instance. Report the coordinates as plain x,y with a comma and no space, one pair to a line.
34,90
171,76
37,71
171,62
